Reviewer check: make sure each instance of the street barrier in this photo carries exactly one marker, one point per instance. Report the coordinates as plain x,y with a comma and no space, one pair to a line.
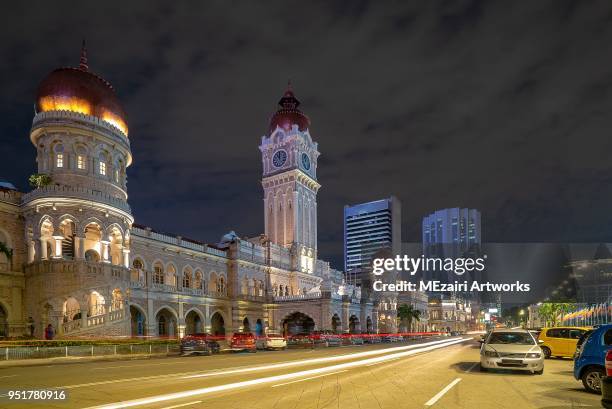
15,353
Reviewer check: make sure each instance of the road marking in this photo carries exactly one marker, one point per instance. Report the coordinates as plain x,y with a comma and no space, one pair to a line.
258,381
448,387
7,376
378,363
307,379
181,405
472,367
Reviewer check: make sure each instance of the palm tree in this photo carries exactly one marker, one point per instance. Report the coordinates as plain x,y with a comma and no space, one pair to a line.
406,313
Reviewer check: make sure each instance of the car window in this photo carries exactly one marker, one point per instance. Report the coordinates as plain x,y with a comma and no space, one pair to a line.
553,333
608,337
576,333
520,338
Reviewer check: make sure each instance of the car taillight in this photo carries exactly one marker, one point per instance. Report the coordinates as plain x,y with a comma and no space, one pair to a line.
609,362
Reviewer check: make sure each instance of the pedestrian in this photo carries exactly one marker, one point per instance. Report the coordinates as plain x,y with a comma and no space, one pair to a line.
49,333
31,326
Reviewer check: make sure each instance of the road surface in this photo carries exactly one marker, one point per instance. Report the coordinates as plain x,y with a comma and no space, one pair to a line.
441,373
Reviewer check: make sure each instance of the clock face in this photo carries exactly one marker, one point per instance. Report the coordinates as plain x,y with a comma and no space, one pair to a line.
279,158
305,161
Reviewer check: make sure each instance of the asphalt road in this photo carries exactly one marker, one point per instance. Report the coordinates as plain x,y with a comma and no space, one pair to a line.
439,373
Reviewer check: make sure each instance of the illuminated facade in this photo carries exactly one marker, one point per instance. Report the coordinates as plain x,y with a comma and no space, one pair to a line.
80,263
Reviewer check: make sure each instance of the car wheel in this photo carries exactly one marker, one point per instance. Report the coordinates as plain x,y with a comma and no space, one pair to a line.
591,379
540,372
547,352
483,369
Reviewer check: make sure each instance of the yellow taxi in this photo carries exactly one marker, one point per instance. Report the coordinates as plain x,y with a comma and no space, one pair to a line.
560,341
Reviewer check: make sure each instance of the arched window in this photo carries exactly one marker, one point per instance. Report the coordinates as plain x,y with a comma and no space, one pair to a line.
187,278
81,158
59,156
221,285
158,273
137,264
199,284
102,164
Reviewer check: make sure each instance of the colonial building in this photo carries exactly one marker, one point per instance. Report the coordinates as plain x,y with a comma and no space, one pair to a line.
80,263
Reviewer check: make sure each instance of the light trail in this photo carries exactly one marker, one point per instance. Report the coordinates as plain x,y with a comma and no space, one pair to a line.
317,360
271,379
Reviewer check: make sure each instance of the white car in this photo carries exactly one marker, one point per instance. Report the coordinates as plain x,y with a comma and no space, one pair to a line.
514,349
271,341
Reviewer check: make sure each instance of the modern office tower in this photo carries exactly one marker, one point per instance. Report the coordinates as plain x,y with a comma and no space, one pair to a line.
369,227
453,232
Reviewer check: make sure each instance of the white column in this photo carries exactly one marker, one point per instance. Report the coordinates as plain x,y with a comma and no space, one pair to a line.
31,251
81,247
104,245
58,246
126,258
77,247
43,249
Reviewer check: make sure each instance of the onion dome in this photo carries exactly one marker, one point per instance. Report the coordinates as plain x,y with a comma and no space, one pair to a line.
77,89
289,114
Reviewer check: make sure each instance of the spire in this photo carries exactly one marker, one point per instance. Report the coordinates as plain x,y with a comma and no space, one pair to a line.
83,64
289,101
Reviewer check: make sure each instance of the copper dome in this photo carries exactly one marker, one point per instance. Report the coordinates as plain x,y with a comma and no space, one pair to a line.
79,90
289,114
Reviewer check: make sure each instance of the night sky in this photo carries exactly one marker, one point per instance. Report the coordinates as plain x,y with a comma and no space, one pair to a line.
500,106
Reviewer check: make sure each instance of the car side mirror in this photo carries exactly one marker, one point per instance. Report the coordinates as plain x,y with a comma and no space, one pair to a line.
481,341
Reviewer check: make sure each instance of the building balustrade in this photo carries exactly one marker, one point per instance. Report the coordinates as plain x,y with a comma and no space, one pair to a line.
298,297
110,271
78,193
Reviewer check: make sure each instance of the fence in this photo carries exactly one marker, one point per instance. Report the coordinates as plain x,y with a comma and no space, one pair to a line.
13,353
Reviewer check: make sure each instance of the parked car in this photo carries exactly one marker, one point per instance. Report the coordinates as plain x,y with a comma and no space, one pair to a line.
514,349
301,340
589,367
580,343
327,338
371,338
243,341
606,383
201,343
272,340
560,341
356,340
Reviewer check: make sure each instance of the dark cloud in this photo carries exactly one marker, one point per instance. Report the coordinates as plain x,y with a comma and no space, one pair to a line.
494,105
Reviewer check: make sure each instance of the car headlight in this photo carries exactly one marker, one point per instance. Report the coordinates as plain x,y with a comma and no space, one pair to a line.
492,354
533,355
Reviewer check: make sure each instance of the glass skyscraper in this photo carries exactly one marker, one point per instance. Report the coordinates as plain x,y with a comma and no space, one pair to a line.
453,232
370,227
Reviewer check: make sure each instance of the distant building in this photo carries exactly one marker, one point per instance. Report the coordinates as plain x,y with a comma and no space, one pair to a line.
453,232
369,227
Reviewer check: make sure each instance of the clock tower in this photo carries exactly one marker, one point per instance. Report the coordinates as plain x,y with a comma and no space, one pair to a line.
290,185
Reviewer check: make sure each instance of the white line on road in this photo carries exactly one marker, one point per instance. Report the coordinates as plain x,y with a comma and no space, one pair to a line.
472,367
258,381
307,379
181,405
448,387
7,376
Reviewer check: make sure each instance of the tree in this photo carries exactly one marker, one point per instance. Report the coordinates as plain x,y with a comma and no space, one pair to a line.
406,313
39,180
551,311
